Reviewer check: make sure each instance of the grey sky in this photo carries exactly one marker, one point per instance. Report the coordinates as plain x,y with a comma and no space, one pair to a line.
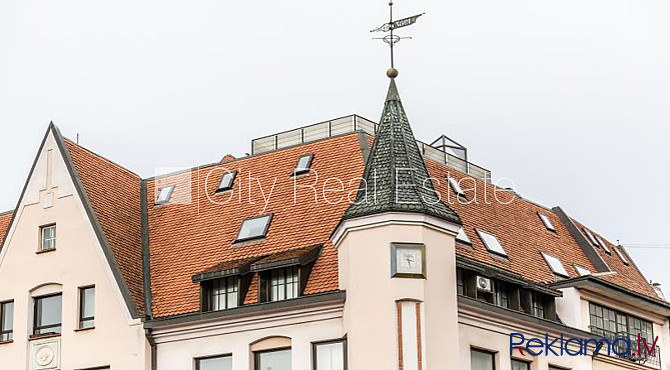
567,98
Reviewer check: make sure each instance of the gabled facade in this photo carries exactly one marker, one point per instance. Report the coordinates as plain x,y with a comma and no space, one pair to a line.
341,245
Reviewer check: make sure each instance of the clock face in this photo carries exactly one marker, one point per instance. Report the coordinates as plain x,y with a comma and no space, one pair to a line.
409,260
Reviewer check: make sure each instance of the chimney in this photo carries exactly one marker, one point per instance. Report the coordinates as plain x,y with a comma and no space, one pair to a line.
227,158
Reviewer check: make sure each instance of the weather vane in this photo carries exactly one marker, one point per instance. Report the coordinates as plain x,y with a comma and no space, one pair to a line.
391,39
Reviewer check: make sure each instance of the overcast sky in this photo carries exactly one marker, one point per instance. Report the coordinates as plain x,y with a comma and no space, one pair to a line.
570,99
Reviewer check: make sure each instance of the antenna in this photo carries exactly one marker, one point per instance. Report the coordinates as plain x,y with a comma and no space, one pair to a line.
77,138
391,39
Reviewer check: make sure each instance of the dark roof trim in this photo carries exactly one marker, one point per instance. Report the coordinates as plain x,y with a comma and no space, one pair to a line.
238,267
596,260
146,256
109,255
517,315
304,258
590,280
503,275
249,310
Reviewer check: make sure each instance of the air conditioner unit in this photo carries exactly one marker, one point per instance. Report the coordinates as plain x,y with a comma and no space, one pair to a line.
484,284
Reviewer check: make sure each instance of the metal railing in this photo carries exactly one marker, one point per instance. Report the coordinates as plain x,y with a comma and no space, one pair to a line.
650,359
353,123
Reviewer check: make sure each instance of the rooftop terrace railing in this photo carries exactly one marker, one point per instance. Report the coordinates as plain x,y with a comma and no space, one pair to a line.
353,123
652,359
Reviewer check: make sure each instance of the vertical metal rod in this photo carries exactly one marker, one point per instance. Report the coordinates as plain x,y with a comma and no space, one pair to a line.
391,28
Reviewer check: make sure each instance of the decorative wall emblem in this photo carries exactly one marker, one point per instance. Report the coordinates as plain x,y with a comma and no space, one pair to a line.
45,354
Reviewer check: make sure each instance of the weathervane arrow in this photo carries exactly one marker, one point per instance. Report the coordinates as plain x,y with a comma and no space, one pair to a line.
391,39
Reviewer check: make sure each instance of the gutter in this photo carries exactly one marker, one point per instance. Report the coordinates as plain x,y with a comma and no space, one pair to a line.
154,348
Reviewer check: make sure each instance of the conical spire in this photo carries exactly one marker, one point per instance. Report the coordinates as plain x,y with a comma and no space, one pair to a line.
396,178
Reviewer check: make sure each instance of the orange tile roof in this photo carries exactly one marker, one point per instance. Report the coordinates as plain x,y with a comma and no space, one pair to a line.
114,194
5,219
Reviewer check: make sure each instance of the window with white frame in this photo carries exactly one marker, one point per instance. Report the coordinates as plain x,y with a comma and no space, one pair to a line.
227,181
491,242
582,271
456,186
546,221
555,265
590,236
330,355
463,237
164,195
304,164
619,253
48,237
602,244
280,284
221,294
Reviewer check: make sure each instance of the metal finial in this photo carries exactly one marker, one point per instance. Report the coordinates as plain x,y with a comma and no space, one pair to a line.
391,39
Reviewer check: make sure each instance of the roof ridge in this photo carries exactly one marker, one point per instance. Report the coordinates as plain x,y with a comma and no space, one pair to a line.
102,157
5,213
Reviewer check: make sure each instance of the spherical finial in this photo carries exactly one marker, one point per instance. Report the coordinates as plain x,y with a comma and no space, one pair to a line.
392,73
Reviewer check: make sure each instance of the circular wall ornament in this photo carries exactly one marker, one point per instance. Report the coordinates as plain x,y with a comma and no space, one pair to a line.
44,355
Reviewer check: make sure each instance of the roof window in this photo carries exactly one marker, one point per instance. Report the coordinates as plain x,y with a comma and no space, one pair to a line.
555,265
463,237
455,186
304,164
546,221
603,244
491,243
590,236
582,271
164,195
227,181
254,228
619,252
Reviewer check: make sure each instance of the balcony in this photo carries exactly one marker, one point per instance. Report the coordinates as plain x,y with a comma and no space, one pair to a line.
437,151
652,359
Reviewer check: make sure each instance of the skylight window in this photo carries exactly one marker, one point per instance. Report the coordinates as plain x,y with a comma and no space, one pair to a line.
592,239
227,181
621,255
254,228
546,221
463,237
491,243
602,244
304,164
164,195
555,265
455,186
582,271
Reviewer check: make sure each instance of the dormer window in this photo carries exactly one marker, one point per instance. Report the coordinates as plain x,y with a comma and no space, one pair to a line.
254,228
547,222
455,186
284,275
304,164
491,243
602,244
281,284
590,236
221,294
48,238
227,181
164,195
555,265
463,237
621,255
582,271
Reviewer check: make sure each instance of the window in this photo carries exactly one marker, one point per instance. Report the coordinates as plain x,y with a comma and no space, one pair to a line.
547,222
303,165
47,315
48,234
552,367
214,363
555,265
164,195
273,360
491,243
460,284
254,228
613,324
455,186
502,294
482,360
538,306
227,181
86,307
619,253
520,365
281,284
582,271
221,294
6,321
330,355
602,244
590,236
463,237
